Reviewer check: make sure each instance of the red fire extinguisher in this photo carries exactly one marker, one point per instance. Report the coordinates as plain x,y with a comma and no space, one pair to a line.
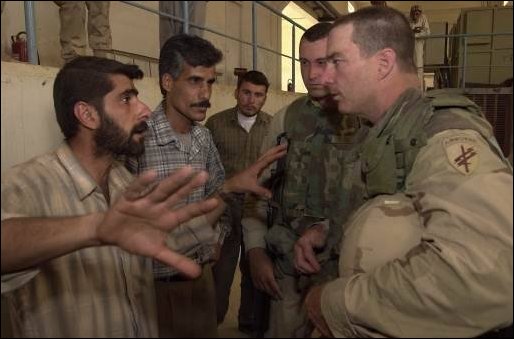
19,47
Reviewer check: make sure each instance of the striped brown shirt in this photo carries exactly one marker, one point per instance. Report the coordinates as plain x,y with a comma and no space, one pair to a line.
93,292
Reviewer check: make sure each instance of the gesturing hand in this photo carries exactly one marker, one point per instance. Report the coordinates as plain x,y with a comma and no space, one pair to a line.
141,219
248,179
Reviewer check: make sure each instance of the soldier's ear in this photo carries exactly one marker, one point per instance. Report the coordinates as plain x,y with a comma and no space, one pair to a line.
386,59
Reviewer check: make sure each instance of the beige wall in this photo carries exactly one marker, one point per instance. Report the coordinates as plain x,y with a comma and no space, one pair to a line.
234,18
28,121
136,31
436,11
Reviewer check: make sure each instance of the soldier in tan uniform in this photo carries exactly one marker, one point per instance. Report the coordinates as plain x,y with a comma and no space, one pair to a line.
437,156
72,33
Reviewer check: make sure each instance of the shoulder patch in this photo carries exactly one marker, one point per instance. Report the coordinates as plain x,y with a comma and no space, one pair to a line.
463,153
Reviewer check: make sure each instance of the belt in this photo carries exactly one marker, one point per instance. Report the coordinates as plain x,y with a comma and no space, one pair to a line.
171,278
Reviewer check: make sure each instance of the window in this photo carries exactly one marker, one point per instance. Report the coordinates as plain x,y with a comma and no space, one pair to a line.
351,9
304,19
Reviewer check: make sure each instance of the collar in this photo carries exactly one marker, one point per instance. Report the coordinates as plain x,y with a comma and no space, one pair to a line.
258,120
402,104
164,133
83,182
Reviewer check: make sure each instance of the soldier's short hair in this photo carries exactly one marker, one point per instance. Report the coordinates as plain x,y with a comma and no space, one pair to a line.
317,32
254,77
185,48
376,28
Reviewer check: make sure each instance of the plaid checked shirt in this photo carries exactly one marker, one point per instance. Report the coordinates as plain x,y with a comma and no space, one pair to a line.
165,154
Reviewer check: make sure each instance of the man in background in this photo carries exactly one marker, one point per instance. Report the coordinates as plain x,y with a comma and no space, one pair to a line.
419,25
238,133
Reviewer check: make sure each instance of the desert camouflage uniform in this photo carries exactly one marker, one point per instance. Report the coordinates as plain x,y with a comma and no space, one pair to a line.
435,157
318,144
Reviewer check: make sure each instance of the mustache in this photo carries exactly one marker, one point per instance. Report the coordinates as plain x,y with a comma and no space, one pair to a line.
140,128
205,103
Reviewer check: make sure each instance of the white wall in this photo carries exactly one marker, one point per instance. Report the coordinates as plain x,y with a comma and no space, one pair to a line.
28,123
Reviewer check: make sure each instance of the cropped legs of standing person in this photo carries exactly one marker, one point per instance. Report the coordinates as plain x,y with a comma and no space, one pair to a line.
72,32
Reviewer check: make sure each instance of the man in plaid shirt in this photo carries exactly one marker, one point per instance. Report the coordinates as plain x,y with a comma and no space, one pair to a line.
187,308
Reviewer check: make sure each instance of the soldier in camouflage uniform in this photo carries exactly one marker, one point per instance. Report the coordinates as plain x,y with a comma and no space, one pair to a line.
306,198
430,170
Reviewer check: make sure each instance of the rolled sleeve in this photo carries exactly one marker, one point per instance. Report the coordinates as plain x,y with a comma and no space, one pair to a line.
13,281
254,232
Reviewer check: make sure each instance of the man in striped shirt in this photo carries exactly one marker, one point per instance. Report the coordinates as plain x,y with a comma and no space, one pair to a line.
70,225
75,230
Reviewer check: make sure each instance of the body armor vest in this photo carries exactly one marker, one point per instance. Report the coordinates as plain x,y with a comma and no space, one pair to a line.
387,158
328,178
310,190
318,144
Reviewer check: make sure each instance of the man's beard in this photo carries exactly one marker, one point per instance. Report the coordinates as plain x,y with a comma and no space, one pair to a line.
111,139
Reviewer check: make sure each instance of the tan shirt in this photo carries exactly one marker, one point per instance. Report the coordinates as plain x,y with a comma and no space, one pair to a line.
93,292
458,281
